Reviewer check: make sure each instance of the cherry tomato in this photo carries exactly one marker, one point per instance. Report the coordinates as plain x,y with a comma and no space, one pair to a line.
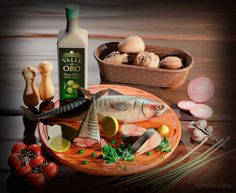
50,170
36,149
18,147
35,162
24,170
15,160
36,179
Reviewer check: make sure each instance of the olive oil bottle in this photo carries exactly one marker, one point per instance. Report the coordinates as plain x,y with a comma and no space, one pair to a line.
72,48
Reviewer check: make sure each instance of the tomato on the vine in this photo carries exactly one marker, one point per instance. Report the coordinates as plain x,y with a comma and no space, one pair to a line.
23,170
36,149
50,170
15,160
36,162
36,179
18,147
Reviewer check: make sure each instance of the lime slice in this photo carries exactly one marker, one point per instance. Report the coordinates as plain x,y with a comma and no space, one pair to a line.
54,131
110,126
59,144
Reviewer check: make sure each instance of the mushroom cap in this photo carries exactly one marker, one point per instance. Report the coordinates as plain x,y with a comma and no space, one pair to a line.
132,44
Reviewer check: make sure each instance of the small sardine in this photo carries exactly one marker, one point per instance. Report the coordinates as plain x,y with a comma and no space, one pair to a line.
129,108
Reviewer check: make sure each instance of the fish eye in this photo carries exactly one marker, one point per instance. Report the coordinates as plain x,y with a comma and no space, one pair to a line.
159,107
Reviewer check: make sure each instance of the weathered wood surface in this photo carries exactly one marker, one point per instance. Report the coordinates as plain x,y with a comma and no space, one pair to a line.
203,28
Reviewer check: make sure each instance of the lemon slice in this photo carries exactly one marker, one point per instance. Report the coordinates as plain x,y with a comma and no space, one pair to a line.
54,131
163,129
110,126
59,144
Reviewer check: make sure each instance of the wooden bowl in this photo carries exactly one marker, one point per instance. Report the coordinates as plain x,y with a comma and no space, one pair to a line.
124,73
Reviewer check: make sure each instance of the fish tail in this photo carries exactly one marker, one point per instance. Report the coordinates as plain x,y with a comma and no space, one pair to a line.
28,113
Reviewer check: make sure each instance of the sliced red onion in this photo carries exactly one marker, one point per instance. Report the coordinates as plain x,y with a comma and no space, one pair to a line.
201,89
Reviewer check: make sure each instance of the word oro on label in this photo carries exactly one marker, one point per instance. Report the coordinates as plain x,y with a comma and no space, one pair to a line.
71,68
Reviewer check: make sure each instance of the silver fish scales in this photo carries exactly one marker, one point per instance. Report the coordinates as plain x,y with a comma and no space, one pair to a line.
129,108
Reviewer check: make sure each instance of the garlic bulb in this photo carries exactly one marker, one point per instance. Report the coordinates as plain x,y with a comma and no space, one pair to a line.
198,135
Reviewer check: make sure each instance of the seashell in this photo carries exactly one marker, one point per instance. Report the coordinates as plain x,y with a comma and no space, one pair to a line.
117,58
171,62
147,59
132,44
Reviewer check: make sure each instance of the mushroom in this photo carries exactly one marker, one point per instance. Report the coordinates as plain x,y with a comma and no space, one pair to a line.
132,44
147,59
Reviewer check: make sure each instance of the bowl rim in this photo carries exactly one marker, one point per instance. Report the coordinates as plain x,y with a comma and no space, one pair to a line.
146,68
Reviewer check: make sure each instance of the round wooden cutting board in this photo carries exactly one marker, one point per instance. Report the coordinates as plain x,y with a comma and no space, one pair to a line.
97,166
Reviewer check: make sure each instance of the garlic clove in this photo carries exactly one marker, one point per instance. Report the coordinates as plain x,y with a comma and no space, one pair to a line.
201,124
198,135
209,129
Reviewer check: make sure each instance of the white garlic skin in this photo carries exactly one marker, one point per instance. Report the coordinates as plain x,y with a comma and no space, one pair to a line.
198,135
201,124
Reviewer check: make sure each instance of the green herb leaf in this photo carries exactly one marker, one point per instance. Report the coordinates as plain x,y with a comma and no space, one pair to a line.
111,155
164,145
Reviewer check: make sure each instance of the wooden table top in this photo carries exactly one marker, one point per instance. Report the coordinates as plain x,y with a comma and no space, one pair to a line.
203,28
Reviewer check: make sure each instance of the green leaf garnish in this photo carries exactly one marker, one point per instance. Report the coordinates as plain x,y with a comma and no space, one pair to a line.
113,155
164,146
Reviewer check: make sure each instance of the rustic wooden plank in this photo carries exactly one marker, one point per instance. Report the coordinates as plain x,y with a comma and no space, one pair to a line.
171,20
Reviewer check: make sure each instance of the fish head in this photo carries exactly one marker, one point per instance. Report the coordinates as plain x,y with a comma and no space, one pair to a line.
154,108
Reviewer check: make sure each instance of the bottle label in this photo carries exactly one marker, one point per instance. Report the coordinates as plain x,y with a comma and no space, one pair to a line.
72,72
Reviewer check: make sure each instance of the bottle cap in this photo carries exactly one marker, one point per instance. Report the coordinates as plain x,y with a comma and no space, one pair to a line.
72,11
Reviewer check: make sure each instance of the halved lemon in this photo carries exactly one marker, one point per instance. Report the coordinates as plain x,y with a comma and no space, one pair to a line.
59,144
110,126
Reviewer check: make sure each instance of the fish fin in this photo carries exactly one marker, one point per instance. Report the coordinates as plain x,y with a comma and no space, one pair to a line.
113,92
120,106
101,93
89,95
28,113
85,92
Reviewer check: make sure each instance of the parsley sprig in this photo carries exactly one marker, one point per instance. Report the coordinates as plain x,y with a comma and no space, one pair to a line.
113,155
164,145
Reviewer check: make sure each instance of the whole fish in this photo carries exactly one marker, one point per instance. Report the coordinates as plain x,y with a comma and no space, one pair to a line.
73,111
129,108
